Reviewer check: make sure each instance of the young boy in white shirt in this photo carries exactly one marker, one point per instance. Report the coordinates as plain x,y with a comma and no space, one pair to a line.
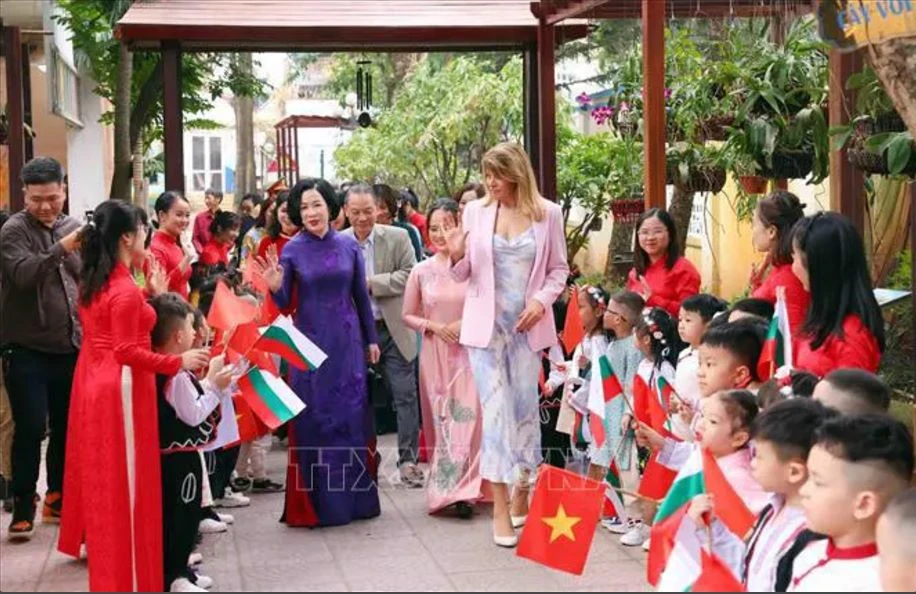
856,466
896,545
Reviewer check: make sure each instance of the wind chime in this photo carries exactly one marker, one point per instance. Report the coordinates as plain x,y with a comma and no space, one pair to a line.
364,93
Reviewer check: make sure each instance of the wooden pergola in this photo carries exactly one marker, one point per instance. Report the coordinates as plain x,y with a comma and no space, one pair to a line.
288,140
847,193
175,26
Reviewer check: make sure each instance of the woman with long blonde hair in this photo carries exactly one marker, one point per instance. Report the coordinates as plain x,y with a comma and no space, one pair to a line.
512,251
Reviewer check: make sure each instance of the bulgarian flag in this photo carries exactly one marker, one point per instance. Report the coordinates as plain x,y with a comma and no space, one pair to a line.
284,339
665,393
613,503
269,397
674,554
603,388
777,350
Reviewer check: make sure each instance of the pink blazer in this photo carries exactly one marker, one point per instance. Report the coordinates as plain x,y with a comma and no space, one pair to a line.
547,282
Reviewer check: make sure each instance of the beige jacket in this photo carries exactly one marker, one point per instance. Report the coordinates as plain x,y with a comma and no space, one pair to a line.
394,258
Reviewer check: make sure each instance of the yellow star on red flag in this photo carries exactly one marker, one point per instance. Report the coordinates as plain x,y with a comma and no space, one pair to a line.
561,525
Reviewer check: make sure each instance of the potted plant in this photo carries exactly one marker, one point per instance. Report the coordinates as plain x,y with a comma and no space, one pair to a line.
625,181
696,168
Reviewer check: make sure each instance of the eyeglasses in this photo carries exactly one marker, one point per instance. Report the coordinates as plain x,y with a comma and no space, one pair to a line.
652,232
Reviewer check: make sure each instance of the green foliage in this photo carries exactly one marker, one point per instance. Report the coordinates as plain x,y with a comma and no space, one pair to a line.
441,122
205,76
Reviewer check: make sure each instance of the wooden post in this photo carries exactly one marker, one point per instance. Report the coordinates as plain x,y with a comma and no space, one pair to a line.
847,184
547,148
28,147
172,117
12,52
294,131
654,130
531,107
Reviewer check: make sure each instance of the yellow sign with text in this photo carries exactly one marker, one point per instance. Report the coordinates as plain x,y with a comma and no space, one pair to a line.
851,24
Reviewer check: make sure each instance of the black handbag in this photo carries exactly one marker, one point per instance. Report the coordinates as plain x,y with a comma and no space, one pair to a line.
381,402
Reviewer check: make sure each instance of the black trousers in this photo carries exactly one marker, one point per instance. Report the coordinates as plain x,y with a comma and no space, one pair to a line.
554,445
39,389
182,475
220,464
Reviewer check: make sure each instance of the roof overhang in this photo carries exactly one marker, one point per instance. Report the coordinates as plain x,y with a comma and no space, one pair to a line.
336,25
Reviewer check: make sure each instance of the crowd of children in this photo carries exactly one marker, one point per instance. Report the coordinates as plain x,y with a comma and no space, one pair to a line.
817,461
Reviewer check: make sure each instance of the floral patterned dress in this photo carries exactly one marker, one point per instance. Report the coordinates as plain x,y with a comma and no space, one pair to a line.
448,397
506,372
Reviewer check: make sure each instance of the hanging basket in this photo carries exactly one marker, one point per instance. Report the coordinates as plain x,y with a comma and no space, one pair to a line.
700,179
627,210
627,129
874,164
753,184
788,165
715,128
889,121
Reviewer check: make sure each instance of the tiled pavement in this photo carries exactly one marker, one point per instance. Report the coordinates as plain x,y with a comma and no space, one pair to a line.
403,549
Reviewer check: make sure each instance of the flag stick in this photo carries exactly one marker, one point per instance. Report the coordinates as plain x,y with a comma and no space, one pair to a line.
636,495
709,537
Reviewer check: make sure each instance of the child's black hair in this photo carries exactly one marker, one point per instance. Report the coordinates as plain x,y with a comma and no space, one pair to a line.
870,438
704,304
791,426
761,308
801,385
741,406
742,338
865,387
662,331
171,310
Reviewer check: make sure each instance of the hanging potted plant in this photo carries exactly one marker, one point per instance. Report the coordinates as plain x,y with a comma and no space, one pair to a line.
695,168
625,180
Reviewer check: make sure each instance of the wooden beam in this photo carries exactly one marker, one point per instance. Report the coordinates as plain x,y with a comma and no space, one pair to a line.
547,97
172,117
557,14
531,106
29,147
847,184
654,127
12,52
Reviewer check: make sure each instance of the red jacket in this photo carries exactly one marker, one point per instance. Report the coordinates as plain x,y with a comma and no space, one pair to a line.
797,298
669,286
215,253
169,254
856,348
419,221
201,235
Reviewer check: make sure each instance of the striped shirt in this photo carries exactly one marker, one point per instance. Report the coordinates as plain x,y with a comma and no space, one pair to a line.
777,528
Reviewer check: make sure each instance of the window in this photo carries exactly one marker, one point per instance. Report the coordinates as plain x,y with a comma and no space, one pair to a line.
65,90
206,163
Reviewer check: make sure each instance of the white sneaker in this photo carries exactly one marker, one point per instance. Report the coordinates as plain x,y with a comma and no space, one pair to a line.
226,518
615,526
184,585
211,526
204,581
645,545
232,499
637,535
195,559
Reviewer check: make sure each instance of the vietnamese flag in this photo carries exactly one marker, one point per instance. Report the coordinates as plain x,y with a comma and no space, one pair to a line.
573,328
253,276
250,427
228,310
562,519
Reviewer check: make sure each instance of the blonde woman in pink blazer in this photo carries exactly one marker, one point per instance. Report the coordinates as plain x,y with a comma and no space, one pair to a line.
512,251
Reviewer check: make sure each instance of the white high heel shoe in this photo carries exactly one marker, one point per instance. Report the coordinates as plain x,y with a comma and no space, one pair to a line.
507,542
518,521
